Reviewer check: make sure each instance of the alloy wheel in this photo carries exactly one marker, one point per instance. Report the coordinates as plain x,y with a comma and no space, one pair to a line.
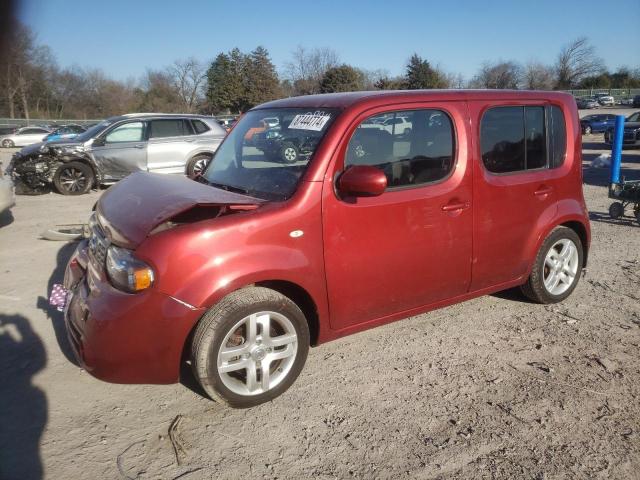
290,154
560,266
257,353
73,179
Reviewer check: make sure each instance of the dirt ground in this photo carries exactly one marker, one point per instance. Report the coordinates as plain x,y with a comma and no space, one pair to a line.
492,388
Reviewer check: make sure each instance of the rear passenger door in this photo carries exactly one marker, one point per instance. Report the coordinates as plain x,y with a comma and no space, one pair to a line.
170,141
514,188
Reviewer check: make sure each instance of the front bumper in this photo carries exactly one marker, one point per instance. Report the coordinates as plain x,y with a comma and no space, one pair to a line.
120,337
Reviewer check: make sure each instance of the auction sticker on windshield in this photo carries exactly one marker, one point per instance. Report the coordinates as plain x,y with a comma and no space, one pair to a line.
310,121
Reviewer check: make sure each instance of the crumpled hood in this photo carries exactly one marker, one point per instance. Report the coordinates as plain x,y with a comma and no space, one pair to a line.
133,207
35,148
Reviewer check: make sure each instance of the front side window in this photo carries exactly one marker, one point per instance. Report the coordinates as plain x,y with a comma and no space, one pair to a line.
266,158
513,139
412,147
129,132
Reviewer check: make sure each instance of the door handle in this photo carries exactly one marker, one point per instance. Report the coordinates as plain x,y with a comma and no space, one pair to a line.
138,146
454,207
543,190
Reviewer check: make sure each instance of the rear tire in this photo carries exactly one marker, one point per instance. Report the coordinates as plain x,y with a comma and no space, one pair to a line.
587,130
8,143
196,165
556,272
250,347
73,178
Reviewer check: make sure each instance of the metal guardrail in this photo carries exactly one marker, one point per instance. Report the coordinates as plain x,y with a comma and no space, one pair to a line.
616,93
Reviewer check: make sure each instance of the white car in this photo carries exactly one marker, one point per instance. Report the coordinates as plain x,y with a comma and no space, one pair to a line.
397,125
24,136
606,101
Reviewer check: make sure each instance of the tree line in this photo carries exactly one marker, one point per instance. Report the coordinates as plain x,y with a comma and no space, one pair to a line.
35,86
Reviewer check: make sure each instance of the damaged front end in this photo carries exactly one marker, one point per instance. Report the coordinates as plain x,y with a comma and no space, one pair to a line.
33,168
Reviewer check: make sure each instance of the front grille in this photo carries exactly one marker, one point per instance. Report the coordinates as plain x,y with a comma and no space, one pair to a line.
98,244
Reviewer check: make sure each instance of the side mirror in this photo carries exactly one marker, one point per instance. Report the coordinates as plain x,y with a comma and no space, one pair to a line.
98,142
362,181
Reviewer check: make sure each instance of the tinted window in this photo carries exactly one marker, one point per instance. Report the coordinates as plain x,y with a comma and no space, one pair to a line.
502,139
420,150
535,138
166,128
558,137
199,126
129,132
513,139
30,131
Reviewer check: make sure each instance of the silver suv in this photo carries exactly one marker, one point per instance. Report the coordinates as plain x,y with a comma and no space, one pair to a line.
116,147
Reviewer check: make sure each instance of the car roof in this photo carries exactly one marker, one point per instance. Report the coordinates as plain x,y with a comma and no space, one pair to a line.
348,99
128,116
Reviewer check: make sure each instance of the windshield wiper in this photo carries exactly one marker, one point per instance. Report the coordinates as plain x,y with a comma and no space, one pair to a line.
228,188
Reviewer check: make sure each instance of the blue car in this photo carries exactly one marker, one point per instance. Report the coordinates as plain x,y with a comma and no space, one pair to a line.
64,132
596,123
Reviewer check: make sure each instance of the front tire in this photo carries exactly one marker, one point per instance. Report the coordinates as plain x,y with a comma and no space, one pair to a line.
616,210
557,267
587,130
73,178
250,347
289,152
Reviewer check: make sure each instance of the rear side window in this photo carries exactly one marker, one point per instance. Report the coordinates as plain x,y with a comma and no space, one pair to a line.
199,126
514,139
166,128
412,147
558,136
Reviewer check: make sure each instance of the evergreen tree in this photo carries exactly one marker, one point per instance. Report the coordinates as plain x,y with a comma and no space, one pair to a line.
260,78
343,78
420,74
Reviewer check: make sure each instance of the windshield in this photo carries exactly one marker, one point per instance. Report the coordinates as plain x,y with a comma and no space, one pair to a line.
268,151
92,132
635,117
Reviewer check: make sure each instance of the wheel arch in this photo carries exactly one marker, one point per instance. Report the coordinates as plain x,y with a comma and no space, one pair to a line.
581,231
299,295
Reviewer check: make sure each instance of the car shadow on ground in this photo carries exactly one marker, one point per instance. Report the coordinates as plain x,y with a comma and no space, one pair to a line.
56,317
513,294
603,217
23,406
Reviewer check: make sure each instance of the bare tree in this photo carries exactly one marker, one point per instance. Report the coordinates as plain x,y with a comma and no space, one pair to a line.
307,67
498,75
576,61
537,76
189,79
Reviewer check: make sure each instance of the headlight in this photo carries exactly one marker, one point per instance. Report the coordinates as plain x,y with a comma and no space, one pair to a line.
126,272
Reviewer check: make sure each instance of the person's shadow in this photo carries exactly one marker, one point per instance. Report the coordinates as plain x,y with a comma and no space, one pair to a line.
23,406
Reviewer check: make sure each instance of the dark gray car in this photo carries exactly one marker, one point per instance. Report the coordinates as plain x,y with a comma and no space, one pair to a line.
116,147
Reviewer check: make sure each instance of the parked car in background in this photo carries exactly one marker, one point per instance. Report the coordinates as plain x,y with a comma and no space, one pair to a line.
8,130
65,132
586,103
606,100
636,101
24,136
116,147
238,274
596,123
7,195
631,131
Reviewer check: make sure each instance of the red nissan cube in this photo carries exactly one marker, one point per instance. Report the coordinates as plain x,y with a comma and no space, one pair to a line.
321,216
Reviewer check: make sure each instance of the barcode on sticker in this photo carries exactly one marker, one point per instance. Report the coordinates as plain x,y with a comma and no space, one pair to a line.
310,121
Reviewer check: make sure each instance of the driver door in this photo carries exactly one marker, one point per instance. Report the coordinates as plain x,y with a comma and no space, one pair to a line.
121,150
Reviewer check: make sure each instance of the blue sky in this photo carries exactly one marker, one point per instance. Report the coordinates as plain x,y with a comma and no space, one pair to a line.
124,37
